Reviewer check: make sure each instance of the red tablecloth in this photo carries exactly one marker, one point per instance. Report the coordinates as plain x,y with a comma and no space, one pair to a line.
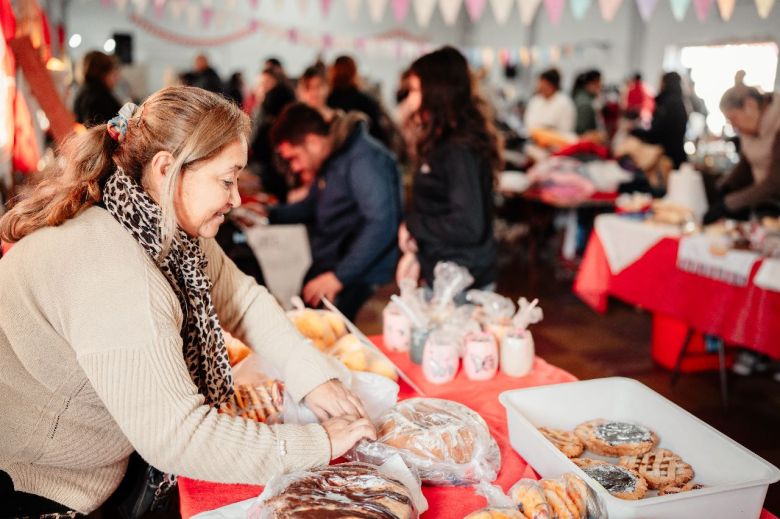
746,316
199,496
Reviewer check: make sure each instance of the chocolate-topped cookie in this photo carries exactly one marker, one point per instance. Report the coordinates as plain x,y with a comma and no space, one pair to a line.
618,481
612,438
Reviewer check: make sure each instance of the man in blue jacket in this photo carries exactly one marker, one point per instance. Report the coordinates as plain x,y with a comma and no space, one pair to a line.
353,208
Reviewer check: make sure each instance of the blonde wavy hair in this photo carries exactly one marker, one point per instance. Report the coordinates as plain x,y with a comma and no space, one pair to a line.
190,123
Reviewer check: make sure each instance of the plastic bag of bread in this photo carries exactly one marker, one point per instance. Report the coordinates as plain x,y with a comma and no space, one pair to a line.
261,403
567,497
321,327
446,442
345,490
500,506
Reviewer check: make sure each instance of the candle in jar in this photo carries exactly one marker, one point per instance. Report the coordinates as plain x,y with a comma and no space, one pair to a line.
517,353
396,329
440,358
481,360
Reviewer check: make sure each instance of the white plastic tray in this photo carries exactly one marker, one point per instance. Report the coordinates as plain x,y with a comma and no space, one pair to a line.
736,479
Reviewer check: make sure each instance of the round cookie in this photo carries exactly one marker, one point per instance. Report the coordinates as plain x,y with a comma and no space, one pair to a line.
660,467
618,481
566,441
610,438
676,489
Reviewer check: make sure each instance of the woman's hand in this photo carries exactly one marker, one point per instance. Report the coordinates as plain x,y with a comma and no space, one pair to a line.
408,268
333,400
346,431
405,240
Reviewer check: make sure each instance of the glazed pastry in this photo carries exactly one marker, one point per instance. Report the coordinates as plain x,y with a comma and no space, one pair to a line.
660,467
566,441
530,499
618,481
348,490
676,489
610,438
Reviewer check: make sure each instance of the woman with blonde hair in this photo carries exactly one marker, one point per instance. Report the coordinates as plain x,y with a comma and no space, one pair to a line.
110,339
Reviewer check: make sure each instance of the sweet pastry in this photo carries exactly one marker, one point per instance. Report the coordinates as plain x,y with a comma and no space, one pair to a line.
585,462
261,403
676,489
496,513
315,327
530,499
566,441
610,438
236,350
446,442
348,490
618,481
561,504
660,467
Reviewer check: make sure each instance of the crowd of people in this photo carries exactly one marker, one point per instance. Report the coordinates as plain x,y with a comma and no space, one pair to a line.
141,195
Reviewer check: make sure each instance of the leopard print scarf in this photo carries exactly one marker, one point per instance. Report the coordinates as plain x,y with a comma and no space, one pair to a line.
185,269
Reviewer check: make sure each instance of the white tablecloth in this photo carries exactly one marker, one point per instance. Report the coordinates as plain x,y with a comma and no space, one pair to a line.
695,256
768,275
626,240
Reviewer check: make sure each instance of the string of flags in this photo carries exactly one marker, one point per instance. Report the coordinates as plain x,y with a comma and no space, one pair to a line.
205,12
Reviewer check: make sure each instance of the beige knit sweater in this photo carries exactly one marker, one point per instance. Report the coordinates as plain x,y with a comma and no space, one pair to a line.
91,367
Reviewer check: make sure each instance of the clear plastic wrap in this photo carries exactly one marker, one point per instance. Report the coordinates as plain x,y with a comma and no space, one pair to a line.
495,307
499,505
262,402
345,490
565,497
449,280
447,443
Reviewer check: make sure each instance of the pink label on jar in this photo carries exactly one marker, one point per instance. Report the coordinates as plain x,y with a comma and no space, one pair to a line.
396,329
481,360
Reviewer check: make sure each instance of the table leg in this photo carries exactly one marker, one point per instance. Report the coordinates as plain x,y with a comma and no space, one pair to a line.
724,390
683,351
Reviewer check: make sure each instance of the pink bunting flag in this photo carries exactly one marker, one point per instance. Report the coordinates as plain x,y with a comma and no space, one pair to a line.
475,8
326,5
400,9
105,3
206,15
159,8
292,35
646,8
254,3
554,10
609,8
702,9
327,41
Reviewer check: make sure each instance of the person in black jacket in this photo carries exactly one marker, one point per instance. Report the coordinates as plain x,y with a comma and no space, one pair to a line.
353,208
346,96
203,76
458,152
94,102
670,119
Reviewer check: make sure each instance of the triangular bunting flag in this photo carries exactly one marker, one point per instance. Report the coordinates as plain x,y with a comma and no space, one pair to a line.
579,8
646,8
376,9
554,10
105,3
501,10
353,9
764,7
702,9
120,4
159,8
679,8
219,19
609,8
326,5
177,8
192,15
423,11
726,8
254,3
528,10
140,5
400,9
303,5
475,8
206,14
450,9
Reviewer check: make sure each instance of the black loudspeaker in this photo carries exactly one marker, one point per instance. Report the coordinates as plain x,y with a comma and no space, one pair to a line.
124,48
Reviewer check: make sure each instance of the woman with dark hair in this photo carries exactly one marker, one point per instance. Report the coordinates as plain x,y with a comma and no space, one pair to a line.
458,152
670,120
345,94
95,103
587,88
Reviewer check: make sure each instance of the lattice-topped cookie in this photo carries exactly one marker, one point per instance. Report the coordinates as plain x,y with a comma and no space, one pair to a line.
566,441
676,489
610,438
660,467
618,481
